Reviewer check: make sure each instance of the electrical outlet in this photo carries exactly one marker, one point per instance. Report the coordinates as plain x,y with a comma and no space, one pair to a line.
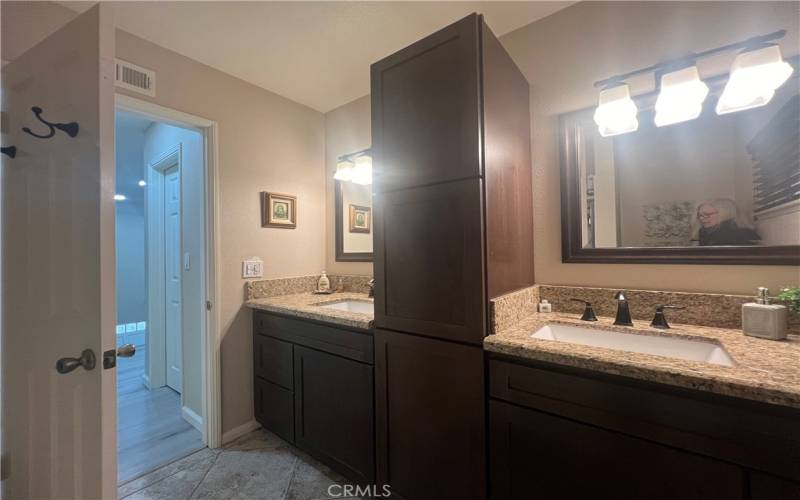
252,268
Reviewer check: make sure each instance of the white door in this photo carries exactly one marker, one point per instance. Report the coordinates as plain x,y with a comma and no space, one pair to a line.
59,430
172,260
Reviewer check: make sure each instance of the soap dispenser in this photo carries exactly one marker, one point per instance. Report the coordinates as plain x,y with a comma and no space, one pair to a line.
324,284
764,320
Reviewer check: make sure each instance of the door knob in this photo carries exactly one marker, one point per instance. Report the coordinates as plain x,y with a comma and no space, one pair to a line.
87,361
126,351
110,356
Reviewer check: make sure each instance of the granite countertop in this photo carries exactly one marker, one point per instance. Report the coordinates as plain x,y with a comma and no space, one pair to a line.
766,370
306,305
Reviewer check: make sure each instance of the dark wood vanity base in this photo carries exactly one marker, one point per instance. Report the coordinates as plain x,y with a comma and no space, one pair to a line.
560,432
314,388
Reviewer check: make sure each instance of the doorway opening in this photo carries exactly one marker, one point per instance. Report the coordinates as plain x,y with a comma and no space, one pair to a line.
161,291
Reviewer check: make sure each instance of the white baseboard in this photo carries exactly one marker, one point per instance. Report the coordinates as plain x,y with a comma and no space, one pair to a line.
193,418
239,431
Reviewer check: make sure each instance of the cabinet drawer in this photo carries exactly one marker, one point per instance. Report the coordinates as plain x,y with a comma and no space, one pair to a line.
274,408
536,455
755,435
346,343
273,360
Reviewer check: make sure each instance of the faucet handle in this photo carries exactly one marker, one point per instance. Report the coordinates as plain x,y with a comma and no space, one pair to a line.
660,321
588,312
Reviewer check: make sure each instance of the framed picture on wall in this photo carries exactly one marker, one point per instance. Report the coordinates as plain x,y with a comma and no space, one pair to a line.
360,219
278,210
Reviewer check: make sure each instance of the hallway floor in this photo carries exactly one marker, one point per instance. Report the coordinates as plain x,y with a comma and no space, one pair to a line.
150,429
258,465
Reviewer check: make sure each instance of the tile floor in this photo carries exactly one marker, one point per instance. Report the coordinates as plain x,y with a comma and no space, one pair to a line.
258,465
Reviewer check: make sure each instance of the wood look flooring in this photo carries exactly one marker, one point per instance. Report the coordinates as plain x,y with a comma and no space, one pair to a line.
150,429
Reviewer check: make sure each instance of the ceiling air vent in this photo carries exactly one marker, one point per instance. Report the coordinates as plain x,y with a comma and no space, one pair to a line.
132,77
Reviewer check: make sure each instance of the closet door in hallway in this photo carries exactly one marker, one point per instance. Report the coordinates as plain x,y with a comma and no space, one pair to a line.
172,259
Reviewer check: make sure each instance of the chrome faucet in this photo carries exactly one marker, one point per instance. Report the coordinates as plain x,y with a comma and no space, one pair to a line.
623,312
371,285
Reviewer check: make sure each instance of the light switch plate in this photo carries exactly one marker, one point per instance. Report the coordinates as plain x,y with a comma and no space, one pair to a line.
252,268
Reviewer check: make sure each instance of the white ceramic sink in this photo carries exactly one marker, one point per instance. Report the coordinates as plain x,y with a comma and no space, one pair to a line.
692,350
357,306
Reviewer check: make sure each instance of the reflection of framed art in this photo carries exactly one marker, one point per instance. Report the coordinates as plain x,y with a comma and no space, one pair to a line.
359,219
278,210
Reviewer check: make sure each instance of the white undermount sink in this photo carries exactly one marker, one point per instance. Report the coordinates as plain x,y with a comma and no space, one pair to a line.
670,347
357,306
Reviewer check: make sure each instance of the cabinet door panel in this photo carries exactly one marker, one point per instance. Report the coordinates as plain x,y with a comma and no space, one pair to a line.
274,408
766,487
429,417
334,419
425,110
273,360
428,265
535,455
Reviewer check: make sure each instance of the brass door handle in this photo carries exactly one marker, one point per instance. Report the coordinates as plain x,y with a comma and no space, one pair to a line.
126,351
87,360
110,356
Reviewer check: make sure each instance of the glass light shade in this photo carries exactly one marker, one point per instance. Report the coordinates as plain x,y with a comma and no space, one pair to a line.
344,171
755,75
616,112
362,171
142,183
120,197
681,97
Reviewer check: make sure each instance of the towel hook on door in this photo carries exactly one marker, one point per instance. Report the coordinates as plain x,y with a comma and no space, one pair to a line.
71,129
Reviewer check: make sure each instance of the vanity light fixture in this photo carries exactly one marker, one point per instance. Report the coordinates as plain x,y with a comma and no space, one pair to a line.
355,167
362,172
755,75
681,97
616,112
344,170
142,183
120,197
757,72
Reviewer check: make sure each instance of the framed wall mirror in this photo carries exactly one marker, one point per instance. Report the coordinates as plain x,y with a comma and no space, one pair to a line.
719,189
353,221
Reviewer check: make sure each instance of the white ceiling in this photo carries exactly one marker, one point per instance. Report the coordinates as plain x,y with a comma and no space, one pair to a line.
315,53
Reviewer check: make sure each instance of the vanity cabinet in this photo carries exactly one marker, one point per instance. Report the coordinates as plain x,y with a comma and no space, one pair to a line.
430,394
568,433
314,387
453,229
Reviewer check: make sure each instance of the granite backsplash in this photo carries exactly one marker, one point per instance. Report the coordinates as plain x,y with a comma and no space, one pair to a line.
703,309
275,287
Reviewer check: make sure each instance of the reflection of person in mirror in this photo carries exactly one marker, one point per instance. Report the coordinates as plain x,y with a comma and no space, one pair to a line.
720,222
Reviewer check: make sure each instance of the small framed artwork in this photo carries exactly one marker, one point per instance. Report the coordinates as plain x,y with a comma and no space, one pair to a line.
360,219
278,210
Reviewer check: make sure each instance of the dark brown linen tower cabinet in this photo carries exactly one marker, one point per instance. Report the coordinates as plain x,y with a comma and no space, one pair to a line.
453,229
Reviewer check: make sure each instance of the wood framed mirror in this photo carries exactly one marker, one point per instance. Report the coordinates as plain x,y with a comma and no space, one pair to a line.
353,216
719,189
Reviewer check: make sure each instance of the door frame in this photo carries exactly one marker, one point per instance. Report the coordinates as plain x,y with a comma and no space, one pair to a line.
155,374
212,407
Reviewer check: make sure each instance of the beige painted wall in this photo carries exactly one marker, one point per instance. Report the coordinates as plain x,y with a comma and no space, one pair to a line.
266,143
563,54
347,130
